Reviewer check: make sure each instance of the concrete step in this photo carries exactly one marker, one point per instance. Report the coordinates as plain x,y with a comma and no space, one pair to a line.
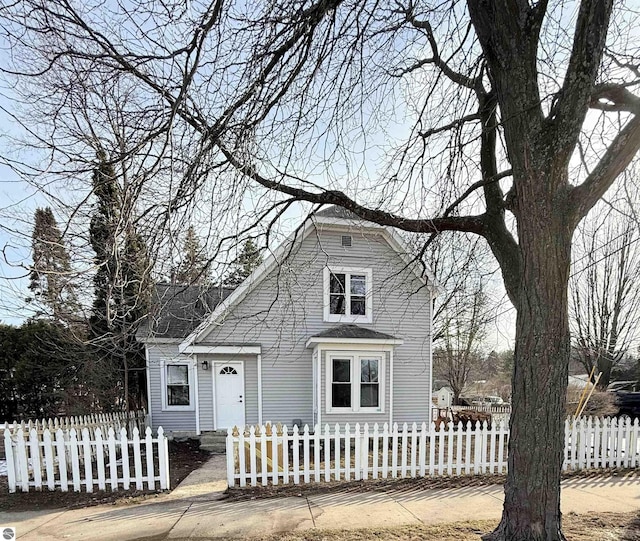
214,442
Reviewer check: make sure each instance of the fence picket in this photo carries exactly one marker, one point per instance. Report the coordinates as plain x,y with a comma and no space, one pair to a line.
253,467
75,462
376,457
316,453
364,453
62,460
394,451
151,477
450,449
404,450
385,450
422,457
285,455
441,449
113,464
242,455
305,453
357,453
124,453
296,458
48,459
137,458
22,462
34,451
11,464
414,448
336,452
347,452
326,447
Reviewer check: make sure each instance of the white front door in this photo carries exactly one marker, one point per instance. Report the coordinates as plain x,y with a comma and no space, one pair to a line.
229,384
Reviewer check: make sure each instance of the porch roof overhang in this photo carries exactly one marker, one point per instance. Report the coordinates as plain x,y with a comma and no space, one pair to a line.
353,334
224,349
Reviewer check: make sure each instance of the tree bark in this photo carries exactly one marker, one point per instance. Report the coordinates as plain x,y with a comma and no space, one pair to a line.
536,445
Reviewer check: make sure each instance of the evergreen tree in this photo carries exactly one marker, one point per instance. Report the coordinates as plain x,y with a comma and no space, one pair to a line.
246,262
121,285
193,267
50,277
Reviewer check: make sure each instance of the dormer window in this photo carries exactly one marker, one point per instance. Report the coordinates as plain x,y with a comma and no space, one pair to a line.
347,295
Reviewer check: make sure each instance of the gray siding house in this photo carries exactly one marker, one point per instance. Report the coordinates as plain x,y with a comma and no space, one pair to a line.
333,327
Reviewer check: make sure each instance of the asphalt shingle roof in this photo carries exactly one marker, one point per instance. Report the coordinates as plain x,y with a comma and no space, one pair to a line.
335,211
353,331
176,310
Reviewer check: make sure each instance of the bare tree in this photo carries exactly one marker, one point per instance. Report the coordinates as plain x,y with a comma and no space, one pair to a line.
460,117
459,353
604,292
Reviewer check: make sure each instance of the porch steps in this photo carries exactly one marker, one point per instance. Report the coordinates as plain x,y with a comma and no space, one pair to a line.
214,441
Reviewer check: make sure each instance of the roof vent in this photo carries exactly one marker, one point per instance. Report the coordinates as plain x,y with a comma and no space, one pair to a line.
346,240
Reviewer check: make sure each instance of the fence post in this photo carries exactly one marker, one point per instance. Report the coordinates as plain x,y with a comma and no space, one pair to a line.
163,459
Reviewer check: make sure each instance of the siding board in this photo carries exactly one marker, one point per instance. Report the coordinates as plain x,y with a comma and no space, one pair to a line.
287,308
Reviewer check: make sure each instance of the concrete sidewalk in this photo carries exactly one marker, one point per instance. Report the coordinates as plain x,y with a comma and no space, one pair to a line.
194,510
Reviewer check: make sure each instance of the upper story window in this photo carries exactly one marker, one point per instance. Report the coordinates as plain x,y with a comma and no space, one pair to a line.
347,295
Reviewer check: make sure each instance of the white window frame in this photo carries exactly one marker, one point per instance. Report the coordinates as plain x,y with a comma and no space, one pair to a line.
347,317
355,357
192,383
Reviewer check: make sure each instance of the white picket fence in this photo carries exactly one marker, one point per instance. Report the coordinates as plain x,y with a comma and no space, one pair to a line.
77,459
103,421
272,455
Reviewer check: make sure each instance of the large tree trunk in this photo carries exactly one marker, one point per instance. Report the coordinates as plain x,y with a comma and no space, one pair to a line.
532,491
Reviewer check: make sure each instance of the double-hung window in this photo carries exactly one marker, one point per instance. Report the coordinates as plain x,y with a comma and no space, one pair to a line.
355,382
177,385
347,295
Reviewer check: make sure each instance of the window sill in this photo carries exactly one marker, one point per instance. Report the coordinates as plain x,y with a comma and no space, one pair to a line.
178,408
338,318
343,411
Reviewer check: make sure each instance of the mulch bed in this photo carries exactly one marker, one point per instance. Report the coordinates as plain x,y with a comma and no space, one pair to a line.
184,457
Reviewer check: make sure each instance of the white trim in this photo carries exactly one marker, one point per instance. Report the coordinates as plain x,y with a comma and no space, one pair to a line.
213,392
259,389
244,391
389,234
148,370
391,388
223,350
355,357
163,383
355,343
197,402
347,317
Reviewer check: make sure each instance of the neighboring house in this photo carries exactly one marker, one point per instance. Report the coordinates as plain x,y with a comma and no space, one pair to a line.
333,327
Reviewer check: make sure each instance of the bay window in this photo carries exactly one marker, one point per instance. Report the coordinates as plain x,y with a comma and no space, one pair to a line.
355,382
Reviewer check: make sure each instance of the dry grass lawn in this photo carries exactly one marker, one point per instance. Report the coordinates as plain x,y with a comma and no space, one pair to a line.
601,527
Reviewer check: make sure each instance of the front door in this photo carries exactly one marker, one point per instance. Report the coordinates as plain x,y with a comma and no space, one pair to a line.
229,385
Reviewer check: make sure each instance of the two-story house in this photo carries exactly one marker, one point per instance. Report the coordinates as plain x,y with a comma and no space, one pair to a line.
333,327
